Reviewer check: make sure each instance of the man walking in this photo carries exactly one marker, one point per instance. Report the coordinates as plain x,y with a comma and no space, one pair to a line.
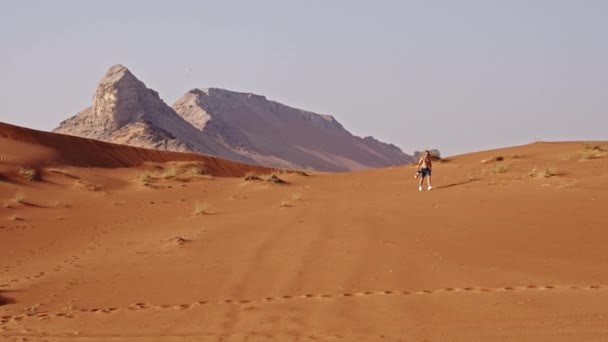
425,165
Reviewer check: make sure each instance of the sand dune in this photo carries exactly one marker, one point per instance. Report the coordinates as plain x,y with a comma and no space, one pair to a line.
124,244
36,147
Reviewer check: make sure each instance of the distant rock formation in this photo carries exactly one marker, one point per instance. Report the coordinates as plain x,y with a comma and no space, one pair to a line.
275,134
125,111
236,126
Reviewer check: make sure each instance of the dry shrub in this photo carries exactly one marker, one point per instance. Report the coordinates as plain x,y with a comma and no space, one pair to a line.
29,173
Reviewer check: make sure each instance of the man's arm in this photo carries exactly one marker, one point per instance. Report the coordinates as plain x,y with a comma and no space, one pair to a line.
419,163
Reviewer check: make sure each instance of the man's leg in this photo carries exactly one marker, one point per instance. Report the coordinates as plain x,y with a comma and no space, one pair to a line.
429,183
421,180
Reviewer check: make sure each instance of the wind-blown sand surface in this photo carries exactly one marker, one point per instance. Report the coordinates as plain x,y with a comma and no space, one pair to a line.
158,253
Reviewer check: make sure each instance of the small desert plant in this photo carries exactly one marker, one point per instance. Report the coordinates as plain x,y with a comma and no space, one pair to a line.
549,172
592,147
145,177
546,172
296,196
471,177
29,173
587,154
14,217
252,176
170,172
592,151
200,209
19,197
534,172
499,168
275,180
197,171
32,310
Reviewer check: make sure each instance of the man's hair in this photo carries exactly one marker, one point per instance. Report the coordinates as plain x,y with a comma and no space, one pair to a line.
427,151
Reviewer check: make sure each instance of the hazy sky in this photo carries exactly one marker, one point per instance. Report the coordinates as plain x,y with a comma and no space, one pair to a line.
454,75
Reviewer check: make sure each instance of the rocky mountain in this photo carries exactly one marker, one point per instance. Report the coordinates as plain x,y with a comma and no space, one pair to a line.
125,111
276,134
237,126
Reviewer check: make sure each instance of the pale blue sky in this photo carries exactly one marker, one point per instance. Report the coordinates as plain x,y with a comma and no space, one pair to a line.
454,75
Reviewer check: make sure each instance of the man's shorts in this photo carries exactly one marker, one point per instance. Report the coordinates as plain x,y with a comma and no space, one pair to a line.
425,172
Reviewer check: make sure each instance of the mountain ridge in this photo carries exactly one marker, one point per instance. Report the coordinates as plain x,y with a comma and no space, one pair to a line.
239,126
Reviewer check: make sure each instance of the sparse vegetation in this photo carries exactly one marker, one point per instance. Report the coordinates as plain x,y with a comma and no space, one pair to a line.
545,173
275,180
32,310
296,196
534,172
200,209
593,147
549,172
587,154
169,172
177,241
29,173
197,171
145,177
499,168
252,176
19,197
592,151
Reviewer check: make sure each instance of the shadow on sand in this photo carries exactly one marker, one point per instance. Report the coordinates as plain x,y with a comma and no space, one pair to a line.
456,184
4,300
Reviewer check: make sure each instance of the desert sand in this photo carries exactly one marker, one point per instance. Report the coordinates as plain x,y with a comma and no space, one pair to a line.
124,244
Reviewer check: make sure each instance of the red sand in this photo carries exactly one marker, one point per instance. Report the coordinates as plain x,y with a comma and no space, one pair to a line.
108,247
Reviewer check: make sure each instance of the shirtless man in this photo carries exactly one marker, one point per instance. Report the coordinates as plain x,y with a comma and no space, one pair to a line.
425,165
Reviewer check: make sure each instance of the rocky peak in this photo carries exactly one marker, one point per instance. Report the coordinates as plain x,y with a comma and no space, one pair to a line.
192,110
121,99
